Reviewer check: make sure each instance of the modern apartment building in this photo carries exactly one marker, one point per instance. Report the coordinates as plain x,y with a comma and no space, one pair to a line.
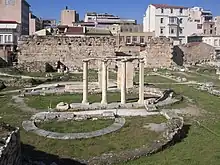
68,17
35,24
178,22
107,19
166,20
48,23
16,10
9,33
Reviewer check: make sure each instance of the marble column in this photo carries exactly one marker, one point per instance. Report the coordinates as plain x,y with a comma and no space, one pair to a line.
104,82
123,82
141,82
85,82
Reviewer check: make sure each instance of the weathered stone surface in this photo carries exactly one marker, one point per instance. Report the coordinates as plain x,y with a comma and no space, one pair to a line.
35,53
10,150
158,53
129,74
193,53
62,106
118,124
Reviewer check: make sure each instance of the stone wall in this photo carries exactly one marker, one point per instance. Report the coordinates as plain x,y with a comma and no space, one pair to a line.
192,53
35,52
158,53
10,147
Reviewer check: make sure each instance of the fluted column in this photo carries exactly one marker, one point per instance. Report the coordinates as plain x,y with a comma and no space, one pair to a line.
123,82
85,82
104,82
141,82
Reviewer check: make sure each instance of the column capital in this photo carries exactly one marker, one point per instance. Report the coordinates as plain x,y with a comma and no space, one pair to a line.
104,60
86,60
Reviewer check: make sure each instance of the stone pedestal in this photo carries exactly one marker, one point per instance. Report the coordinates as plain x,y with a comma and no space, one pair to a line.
85,82
129,75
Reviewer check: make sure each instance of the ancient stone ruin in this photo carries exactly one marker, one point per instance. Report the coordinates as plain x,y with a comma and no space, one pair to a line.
10,147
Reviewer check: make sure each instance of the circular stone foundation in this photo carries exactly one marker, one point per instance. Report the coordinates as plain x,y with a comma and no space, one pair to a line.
30,125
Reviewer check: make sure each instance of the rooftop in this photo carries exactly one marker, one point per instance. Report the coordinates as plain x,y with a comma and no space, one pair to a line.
168,6
8,22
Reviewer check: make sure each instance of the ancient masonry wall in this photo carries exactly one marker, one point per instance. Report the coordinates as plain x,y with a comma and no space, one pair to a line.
158,53
10,147
36,51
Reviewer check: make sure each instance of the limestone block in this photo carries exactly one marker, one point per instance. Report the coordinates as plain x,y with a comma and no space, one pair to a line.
129,75
62,106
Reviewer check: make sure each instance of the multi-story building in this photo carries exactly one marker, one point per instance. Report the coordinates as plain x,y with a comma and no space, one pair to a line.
166,20
68,17
16,10
217,25
9,33
35,24
48,23
107,19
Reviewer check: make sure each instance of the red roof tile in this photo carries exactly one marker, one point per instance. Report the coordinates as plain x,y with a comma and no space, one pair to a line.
9,22
169,6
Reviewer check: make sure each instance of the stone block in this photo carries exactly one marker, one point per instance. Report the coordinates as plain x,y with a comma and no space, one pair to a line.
129,75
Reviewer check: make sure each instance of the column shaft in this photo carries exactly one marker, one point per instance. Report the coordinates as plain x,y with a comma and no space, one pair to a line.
141,82
85,82
104,82
123,82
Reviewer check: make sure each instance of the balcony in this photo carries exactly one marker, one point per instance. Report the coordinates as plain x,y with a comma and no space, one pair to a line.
173,21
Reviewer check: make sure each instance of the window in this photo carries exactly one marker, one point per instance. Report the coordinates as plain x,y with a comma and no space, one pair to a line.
210,31
171,10
181,11
128,39
215,42
1,38
130,29
142,40
172,20
171,30
6,38
181,20
199,26
161,30
204,31
9,38
161,10
9,2
211,26
121,39
134,39
161,20
181,31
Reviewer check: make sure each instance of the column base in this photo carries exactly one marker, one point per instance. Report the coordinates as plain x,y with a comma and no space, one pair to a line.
104,102
141,102
85,102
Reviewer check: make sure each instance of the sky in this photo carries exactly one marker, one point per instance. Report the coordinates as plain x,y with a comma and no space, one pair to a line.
124,8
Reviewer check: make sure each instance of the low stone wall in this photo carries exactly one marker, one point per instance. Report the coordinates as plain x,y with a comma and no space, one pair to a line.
41,117
10,147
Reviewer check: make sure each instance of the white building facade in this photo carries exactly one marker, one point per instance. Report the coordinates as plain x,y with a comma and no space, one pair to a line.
9,34
172,21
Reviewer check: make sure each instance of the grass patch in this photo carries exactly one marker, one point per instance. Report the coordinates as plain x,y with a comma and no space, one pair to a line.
43,102
74,126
